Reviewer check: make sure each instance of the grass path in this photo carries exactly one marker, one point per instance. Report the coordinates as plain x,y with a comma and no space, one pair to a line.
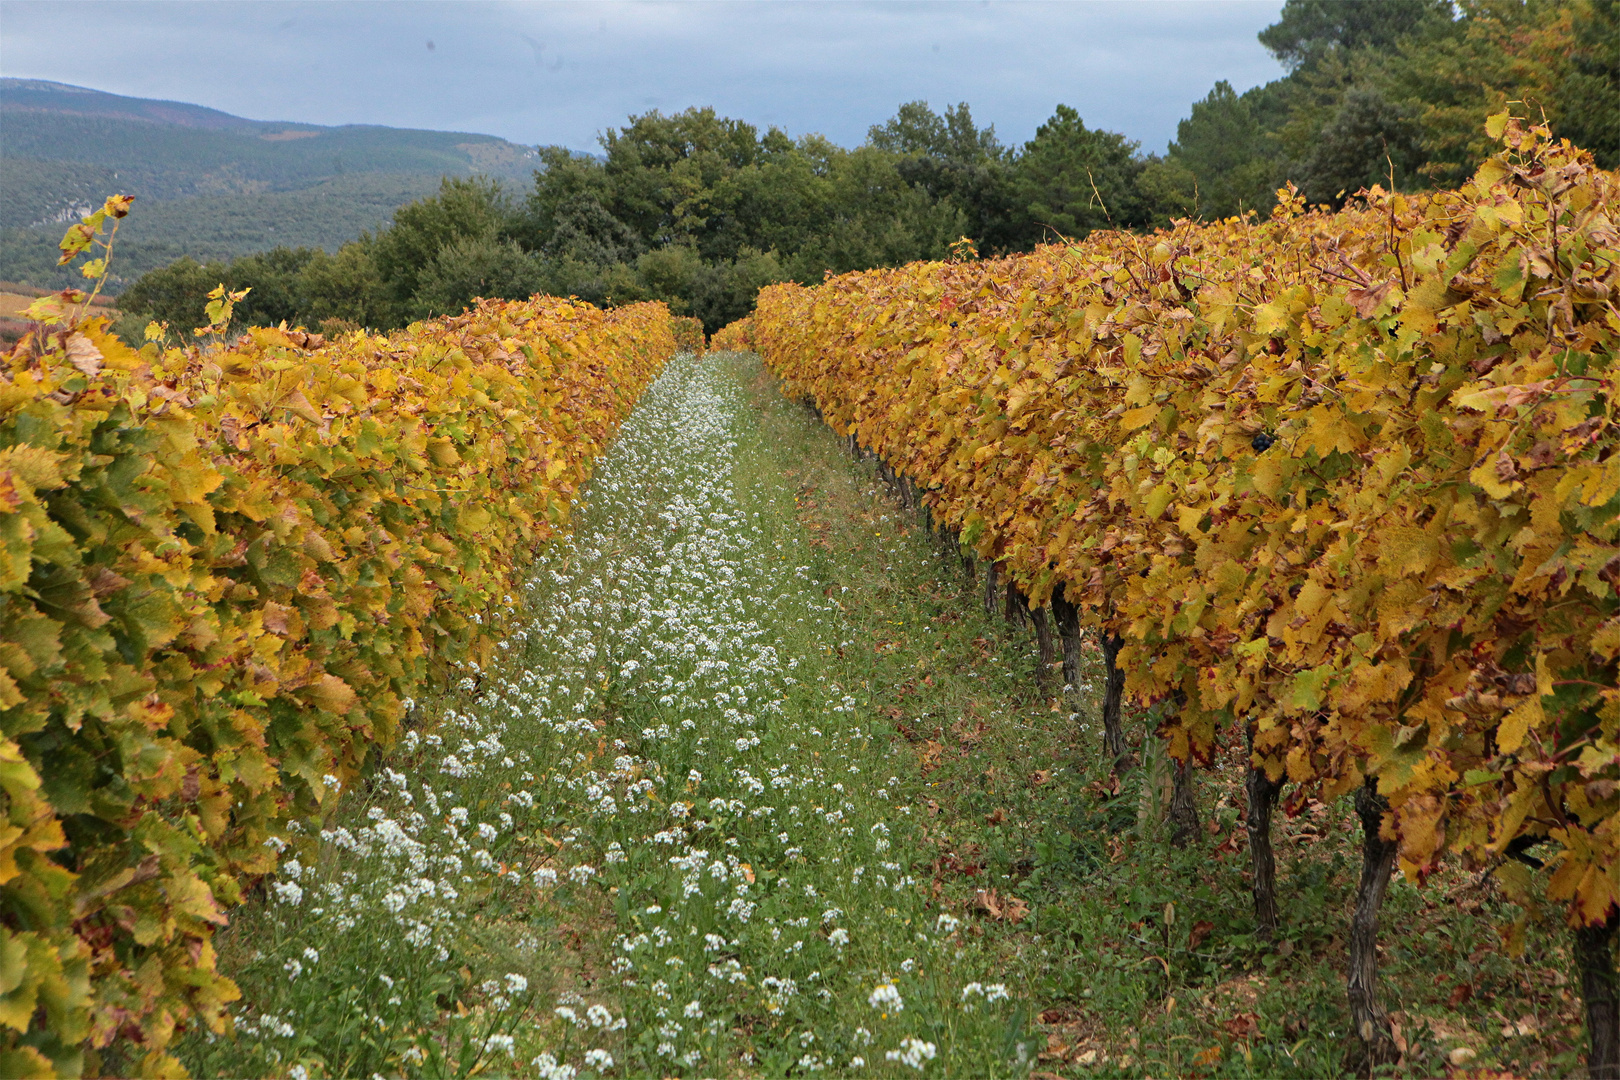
759,790
672,813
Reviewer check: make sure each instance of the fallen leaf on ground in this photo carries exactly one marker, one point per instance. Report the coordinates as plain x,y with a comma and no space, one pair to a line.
999,908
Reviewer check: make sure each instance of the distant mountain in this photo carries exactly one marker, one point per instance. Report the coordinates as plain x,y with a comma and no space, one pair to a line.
228,186
62,98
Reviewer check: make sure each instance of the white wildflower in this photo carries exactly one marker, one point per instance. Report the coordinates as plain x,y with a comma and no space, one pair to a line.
886,998
913,1052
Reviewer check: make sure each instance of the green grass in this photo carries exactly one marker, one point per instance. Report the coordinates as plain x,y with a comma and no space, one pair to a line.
905,807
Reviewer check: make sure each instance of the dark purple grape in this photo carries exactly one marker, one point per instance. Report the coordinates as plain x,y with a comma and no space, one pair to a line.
1262,442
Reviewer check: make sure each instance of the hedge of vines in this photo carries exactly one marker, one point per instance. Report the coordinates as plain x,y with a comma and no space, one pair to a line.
223,574
688,333
1345,485
734,337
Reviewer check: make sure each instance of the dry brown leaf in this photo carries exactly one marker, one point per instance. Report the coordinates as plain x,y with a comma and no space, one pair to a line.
83,354
1243,1026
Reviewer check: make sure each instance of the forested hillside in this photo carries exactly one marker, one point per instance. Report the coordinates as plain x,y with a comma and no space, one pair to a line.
211,185
701,210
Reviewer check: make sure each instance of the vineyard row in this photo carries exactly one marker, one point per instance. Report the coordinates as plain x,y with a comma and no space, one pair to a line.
1345,486
226,570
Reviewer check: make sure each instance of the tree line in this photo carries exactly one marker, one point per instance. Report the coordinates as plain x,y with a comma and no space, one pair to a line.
701,210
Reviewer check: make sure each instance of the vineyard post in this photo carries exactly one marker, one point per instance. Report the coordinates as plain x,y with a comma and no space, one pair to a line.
896,483
1183,806
1017,608
1113,698
943,536
1262,793
1594,956
950,541
1043,641
990,574
1367,1017
1067,617
970,561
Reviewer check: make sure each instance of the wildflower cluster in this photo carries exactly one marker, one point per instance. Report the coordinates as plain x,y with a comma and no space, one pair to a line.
661,735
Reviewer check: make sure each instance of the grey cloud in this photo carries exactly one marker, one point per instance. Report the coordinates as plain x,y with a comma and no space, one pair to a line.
562,72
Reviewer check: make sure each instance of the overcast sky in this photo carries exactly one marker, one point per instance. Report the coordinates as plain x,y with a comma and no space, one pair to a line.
562,72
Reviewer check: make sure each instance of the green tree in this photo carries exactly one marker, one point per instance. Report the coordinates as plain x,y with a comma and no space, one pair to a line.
298,286
470,267
1168,190
662,169
952,159
672,273
728,294
1308,30
917,130
775,203
347,287
1071,179
701,210
463,208
274,279
1229,156
568,215
174,294
1369,140
875,218
1589,93
1501,54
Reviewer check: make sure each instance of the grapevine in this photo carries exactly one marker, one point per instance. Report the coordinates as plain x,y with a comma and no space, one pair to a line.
225,573
1347,484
